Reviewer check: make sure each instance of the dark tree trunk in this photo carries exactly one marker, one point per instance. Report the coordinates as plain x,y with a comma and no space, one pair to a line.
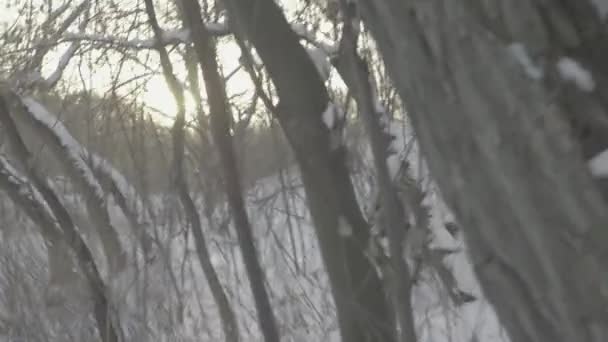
220,129
363,311
498,145
353,70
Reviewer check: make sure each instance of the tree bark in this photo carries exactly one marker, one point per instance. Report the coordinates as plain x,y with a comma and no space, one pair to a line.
229,322
362,308
498,145
220,129
353,70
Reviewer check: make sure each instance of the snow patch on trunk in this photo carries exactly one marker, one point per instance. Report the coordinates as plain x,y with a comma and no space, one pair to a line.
344,229
72,147
571,71
598,165
329,116
518,51
121,182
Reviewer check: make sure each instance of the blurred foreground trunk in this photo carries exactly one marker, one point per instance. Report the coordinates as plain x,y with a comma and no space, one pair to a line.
506,99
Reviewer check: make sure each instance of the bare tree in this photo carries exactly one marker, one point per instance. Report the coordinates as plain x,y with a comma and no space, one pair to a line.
220,129
363,312
228,319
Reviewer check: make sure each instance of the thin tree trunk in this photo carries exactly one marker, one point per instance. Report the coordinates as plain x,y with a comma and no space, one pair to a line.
220,129
229,322
355,74
362,308
497,143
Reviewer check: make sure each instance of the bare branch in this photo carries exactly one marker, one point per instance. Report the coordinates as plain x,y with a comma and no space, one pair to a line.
168,37
228,318
83,254
43,49
71,153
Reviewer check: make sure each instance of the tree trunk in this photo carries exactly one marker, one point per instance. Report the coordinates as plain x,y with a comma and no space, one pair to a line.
497,142
228,318
353,70
361,303
220,129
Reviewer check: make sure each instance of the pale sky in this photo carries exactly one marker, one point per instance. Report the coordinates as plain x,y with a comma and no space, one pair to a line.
157,94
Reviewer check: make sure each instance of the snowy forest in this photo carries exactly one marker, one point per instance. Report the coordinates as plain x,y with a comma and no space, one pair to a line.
304,170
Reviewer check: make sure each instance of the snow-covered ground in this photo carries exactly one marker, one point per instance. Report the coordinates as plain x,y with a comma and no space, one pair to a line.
167,299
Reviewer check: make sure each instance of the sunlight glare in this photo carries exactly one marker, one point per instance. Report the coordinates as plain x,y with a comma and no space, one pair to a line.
159,99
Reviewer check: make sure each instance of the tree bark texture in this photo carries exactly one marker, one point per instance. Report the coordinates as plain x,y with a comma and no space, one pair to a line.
362,308
220,117
354,71
500,147
228,318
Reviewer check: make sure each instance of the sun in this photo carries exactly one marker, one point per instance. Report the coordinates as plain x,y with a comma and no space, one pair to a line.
161,103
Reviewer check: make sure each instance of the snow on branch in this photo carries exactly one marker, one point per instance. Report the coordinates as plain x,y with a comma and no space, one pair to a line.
125,194
72,156
50,81
44,46
24,194
520,54
169,37
73,150
105,169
